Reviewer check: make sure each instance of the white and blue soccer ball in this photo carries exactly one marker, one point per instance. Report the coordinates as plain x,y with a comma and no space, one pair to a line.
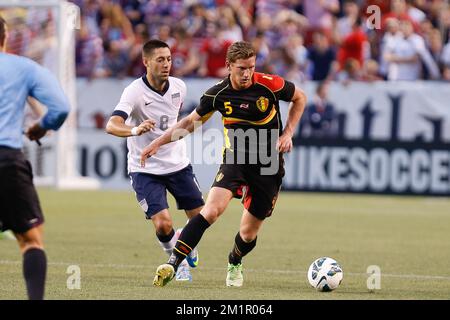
325,274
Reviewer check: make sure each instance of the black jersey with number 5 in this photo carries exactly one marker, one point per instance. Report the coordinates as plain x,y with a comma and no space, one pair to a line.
248,113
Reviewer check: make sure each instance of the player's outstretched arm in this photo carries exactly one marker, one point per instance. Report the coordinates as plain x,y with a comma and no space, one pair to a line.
117,127
295,113
177,132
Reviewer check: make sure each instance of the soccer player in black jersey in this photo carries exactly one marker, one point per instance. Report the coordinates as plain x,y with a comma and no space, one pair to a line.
252,166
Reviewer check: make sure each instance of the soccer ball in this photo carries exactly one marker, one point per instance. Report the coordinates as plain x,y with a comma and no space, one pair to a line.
325,274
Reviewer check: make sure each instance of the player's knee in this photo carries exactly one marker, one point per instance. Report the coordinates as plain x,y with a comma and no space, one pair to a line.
248,232
26,244
163,226
211,214
248,235
162,222
30,239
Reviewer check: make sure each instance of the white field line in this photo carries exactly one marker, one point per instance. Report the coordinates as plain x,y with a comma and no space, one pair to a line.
146,267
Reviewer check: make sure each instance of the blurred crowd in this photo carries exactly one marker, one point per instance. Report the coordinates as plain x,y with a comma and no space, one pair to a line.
318,40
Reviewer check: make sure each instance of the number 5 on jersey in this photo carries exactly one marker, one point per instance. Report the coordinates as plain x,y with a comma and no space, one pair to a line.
228,107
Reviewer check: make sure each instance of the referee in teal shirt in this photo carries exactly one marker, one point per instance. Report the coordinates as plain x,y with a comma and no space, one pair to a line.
20,210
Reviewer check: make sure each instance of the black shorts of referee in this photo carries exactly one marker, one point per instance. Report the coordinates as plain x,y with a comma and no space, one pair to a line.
20,209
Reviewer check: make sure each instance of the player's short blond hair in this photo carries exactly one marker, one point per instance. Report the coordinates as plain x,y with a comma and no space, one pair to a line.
240,50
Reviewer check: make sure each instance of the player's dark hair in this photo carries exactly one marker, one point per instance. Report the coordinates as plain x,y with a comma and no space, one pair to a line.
240,50
2,30
151,45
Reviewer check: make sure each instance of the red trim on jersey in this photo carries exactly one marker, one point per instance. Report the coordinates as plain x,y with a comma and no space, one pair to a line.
273,82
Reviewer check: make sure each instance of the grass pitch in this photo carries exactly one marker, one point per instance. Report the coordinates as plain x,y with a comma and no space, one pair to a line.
106,236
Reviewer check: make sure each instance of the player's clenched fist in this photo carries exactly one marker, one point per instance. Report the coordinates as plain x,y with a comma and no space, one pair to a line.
145,126
35,132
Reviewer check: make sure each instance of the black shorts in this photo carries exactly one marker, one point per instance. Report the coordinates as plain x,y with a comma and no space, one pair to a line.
259,192
20,209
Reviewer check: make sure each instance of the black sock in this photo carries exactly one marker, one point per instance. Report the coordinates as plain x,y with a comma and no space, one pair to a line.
34,271
189,238
165,238
240,249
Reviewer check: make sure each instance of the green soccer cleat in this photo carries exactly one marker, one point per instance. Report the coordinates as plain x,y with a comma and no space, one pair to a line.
234,275
7,235
164,273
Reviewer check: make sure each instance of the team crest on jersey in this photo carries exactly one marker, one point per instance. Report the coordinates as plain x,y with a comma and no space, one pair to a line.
176,99
262,103
219,176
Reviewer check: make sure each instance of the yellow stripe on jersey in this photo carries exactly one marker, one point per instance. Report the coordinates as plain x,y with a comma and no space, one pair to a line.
264,121
227,138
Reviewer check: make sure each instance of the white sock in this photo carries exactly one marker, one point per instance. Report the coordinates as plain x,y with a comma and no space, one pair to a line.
168,246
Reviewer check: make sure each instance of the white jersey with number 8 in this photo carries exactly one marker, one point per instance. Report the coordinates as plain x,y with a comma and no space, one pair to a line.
140,102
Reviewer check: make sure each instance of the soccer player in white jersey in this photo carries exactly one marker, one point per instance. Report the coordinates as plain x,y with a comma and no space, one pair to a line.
147,108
